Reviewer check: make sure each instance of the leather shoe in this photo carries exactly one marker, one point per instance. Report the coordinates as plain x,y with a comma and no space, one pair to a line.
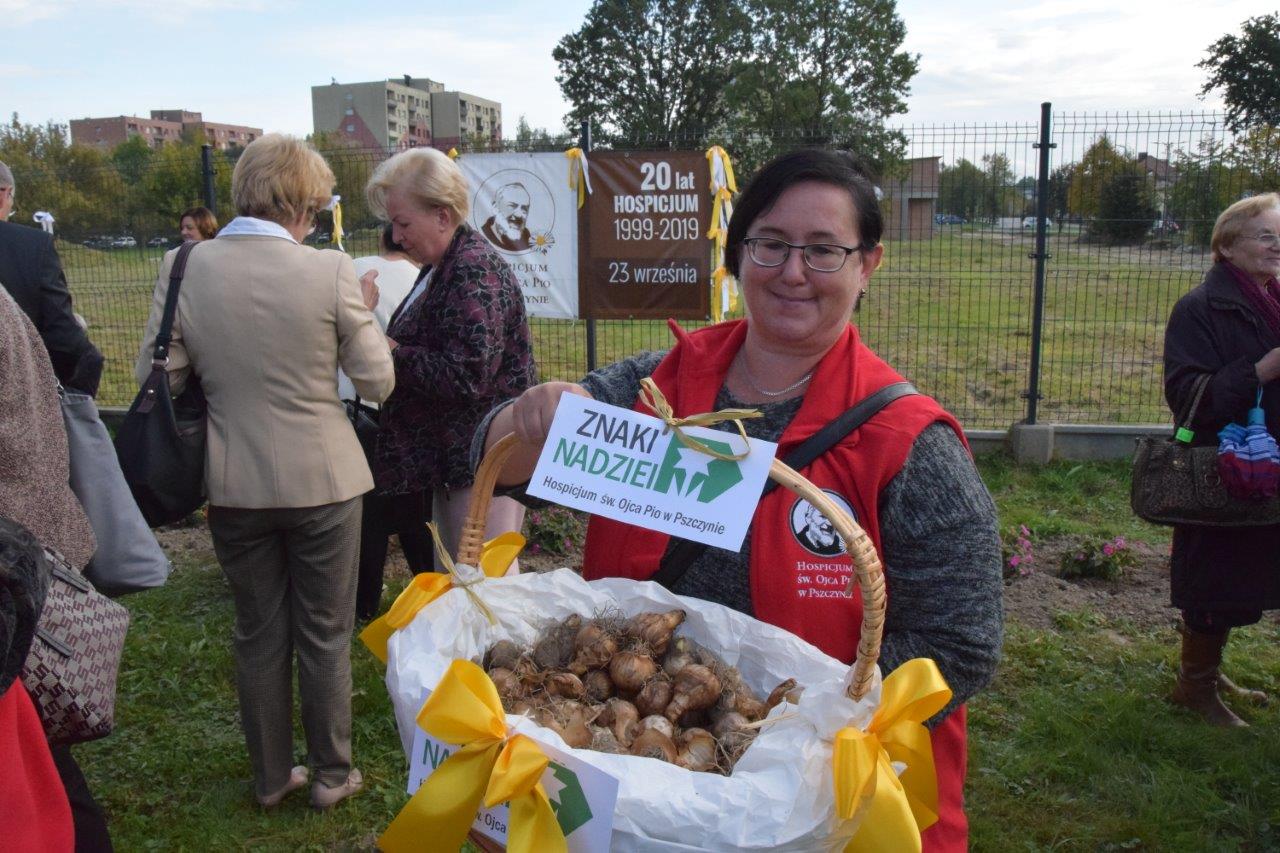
298,777
323,797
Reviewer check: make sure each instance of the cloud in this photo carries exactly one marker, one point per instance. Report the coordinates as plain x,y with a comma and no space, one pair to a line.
16,13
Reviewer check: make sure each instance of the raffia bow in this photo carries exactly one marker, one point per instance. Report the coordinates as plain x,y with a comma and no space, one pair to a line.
652,397
495,556
898,808
489,768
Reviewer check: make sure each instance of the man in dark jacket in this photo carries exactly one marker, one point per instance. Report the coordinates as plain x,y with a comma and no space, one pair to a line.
31,272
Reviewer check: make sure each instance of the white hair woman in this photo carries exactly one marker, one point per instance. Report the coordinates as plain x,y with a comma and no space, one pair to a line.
460,343
1227,328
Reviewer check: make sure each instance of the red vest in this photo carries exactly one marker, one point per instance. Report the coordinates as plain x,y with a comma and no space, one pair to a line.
797,570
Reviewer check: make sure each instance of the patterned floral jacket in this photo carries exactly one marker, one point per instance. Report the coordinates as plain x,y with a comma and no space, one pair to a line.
464,346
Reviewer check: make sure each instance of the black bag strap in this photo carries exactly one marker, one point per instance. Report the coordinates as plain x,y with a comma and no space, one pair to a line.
684,552
1183,432
165,336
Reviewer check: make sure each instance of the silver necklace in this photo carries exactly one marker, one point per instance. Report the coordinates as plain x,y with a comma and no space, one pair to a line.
755,385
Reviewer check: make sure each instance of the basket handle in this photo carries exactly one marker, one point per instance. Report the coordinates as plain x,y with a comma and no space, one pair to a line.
868,571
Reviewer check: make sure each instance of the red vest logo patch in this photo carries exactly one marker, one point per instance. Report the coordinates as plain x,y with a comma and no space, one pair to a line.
814,531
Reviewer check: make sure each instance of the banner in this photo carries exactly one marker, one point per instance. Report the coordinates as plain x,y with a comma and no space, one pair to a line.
645,252
523,205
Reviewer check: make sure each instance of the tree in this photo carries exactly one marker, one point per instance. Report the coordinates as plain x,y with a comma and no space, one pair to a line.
1125,206
1247,69
960,189
1204,186
826,72
1059,184
1099,163
76,183
652,69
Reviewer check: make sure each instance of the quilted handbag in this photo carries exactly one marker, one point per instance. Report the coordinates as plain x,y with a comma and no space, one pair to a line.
1176,483
71,669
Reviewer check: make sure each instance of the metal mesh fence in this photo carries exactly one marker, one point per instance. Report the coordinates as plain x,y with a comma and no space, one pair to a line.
1131,201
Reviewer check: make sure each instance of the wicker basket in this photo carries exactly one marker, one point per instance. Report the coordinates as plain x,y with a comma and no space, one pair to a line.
868,572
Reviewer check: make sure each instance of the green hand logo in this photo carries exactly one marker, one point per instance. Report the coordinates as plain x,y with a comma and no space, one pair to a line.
569,802
688,470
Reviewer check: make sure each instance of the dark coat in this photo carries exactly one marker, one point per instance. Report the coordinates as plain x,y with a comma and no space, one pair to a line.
24,580
1213,329
463,347
31,272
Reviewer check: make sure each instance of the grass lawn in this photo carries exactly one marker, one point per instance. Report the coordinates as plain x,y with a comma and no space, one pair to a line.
952,313
1073,747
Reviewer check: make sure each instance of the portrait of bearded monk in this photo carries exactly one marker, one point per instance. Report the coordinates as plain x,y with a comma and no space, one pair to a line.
506,228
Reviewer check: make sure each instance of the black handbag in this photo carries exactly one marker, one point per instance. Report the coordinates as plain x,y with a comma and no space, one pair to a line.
161,442
364,420
1176,483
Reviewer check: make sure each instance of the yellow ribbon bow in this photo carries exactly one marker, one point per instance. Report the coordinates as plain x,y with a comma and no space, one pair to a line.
579,173
652,397
490,768
898,808
495,556
453,154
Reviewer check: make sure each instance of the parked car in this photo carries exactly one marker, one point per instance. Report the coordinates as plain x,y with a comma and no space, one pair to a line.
947,219
1165,227
125,242
1030,222
157,242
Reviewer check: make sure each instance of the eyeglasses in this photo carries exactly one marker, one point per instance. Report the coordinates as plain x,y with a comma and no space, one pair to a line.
1268,239
819,257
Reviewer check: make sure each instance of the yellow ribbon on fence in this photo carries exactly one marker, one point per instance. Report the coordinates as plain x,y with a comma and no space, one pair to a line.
652,397
724,292
495,556
489,768
579,173
453,154
716,154
898,808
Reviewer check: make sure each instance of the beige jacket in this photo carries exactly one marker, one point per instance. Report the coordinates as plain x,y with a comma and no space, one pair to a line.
265,323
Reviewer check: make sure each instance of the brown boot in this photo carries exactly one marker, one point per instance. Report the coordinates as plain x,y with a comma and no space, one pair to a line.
1227,687
1197,686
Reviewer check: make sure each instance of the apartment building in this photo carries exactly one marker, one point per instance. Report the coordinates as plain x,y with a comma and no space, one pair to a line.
163,126
402,113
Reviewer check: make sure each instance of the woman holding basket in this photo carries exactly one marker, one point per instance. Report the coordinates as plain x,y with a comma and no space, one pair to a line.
804,241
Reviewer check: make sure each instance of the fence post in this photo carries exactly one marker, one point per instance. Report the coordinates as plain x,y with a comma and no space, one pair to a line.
584,142
1040,256
206,171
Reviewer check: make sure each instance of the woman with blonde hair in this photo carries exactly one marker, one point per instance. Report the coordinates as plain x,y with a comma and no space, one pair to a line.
460,343
1228,330
265,322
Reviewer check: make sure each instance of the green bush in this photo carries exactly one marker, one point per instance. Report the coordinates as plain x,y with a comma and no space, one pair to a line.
1094,559
554,530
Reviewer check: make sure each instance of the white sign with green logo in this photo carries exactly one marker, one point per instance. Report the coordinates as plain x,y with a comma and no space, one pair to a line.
631,467
583,797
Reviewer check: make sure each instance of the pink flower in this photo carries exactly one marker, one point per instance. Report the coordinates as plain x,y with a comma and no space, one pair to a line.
1108,550
1120,543
1025,531
1015,560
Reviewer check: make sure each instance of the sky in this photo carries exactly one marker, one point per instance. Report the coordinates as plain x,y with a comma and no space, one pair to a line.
253,61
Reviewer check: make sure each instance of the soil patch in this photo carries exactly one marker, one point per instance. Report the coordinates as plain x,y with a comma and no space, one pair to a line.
1140,598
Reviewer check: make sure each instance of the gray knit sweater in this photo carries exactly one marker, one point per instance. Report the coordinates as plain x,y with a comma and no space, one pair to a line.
939,539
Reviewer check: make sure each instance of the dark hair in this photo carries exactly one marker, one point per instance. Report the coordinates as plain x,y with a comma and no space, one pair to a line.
837,168
389,243
205,222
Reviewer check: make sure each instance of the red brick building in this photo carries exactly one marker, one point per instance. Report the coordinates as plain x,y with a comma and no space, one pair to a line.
163,126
